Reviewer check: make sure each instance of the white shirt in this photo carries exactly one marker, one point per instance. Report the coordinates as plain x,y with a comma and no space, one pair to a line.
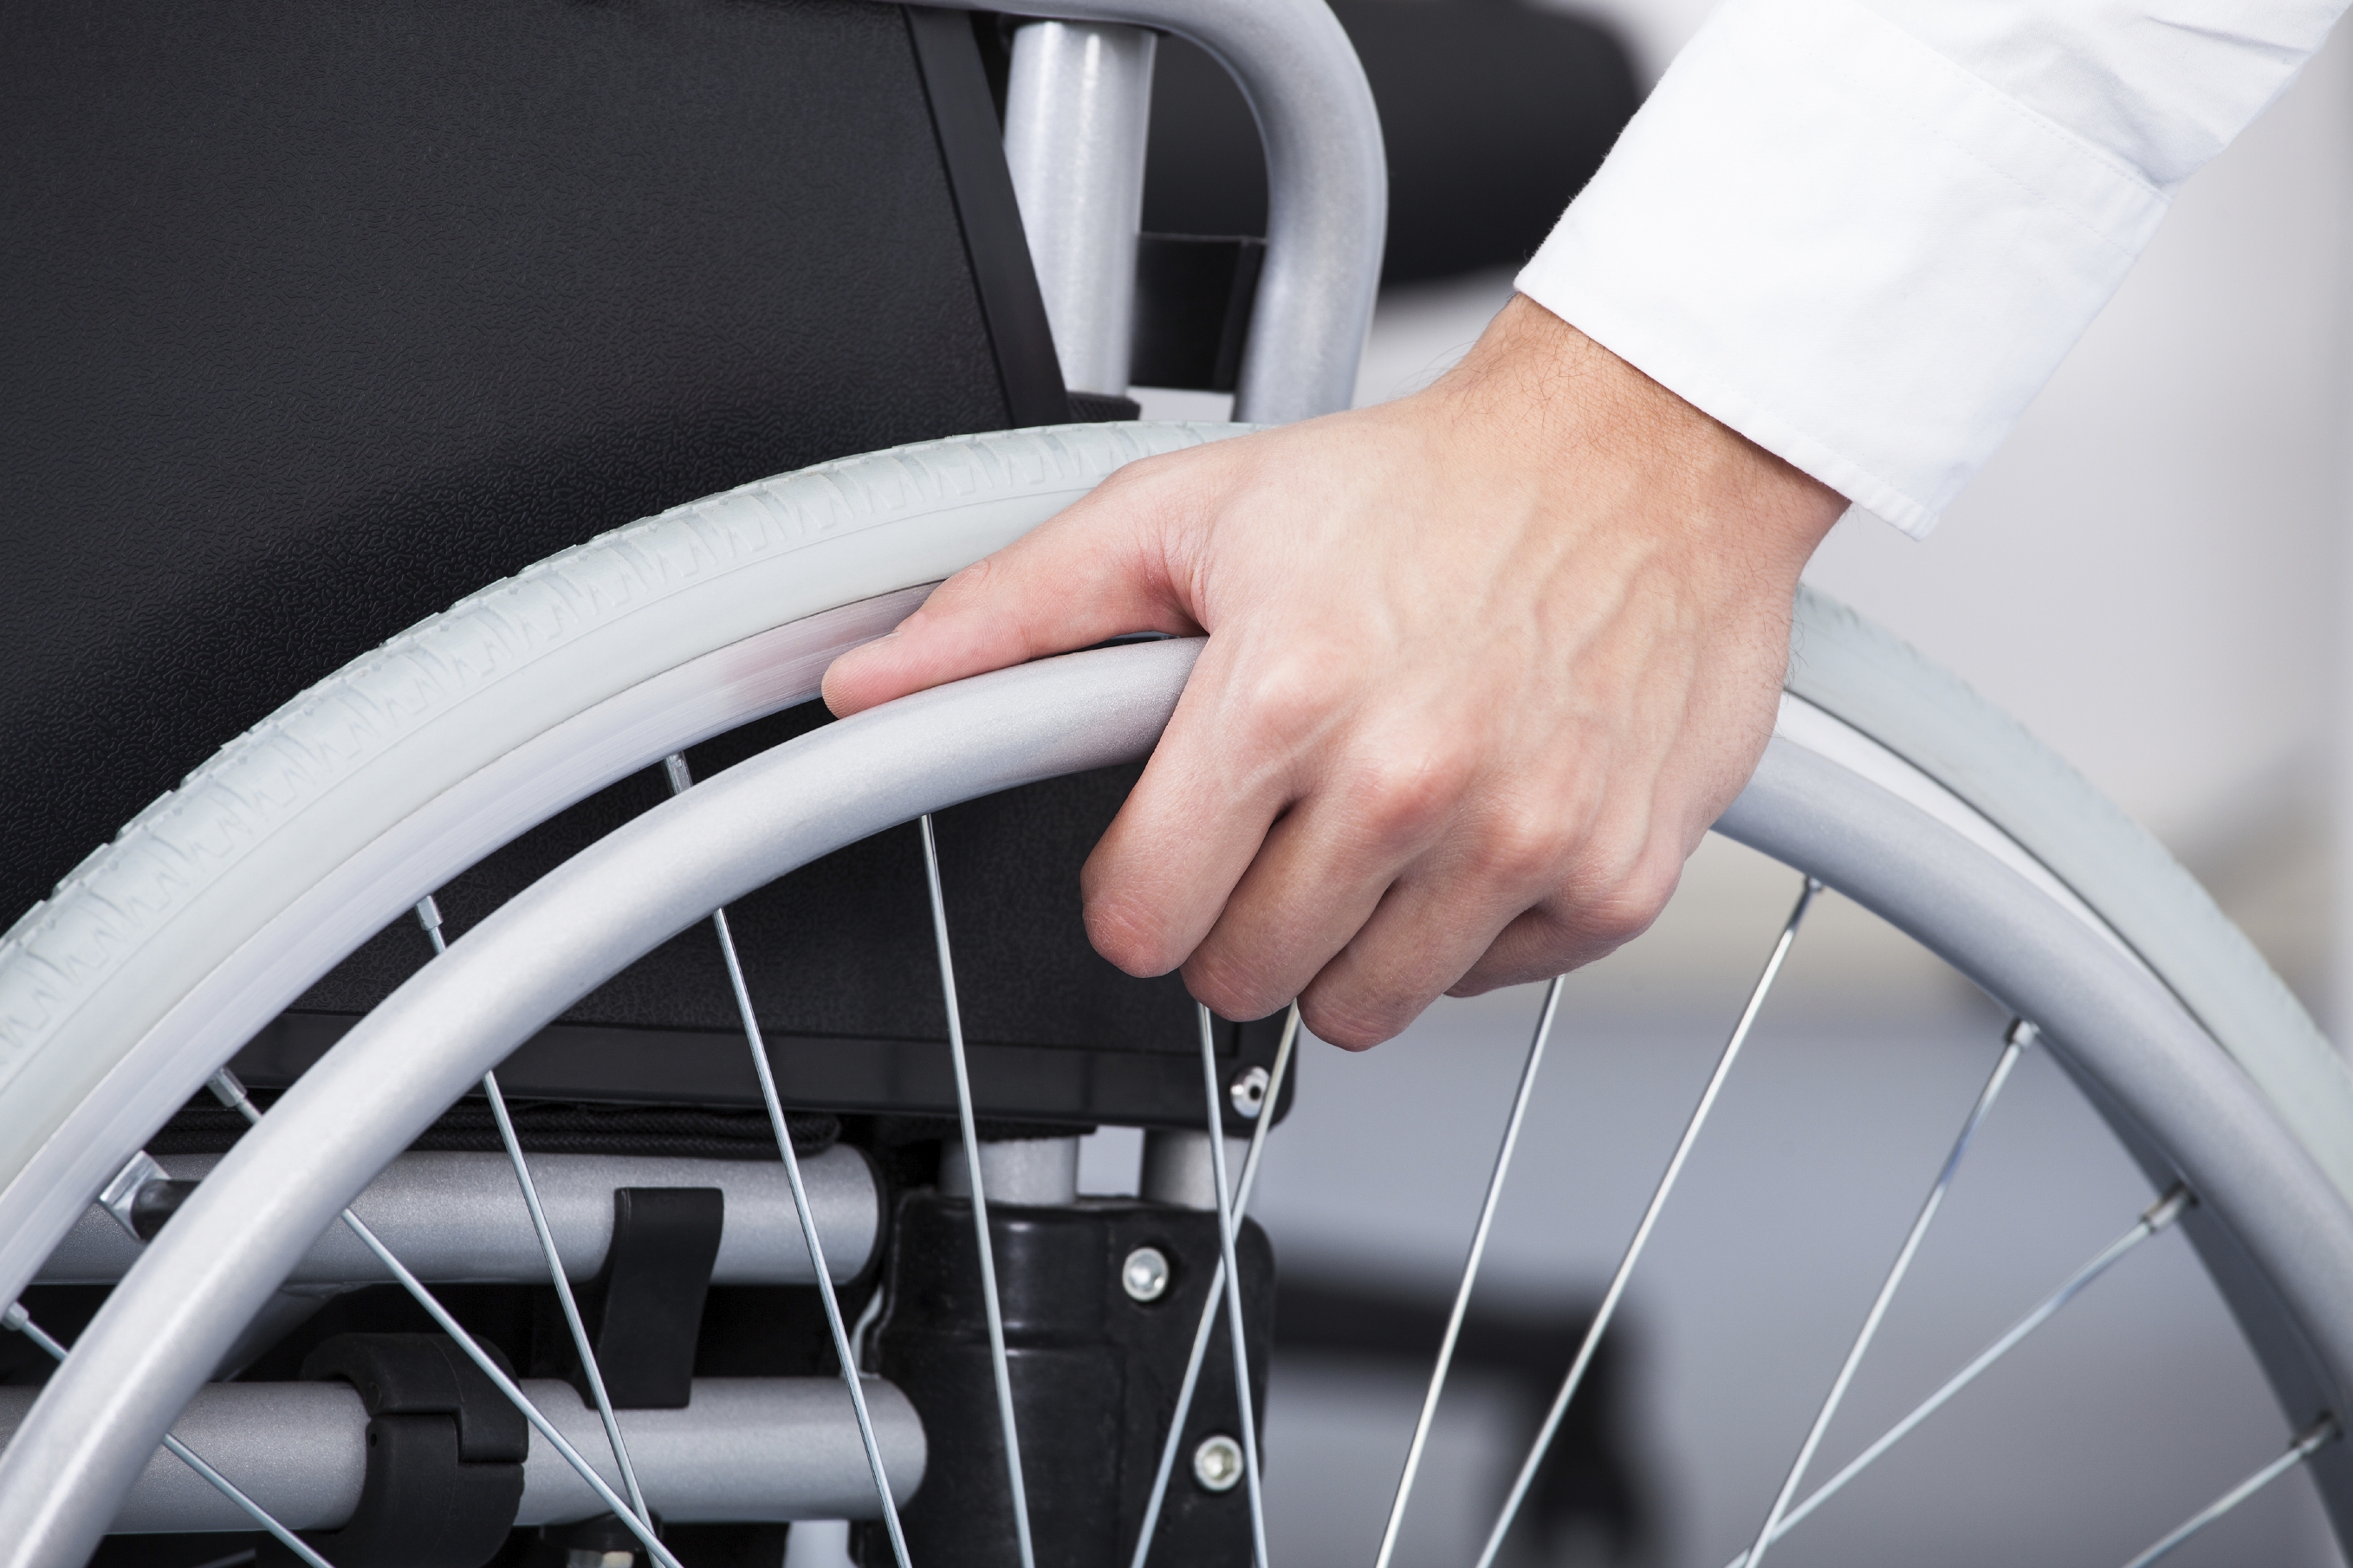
1864,233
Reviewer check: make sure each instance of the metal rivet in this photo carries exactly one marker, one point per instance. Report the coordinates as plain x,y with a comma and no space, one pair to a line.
1144,1275
1218,1463
1249,1092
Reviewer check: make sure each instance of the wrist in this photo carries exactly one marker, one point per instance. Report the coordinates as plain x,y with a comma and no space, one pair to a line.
1562,401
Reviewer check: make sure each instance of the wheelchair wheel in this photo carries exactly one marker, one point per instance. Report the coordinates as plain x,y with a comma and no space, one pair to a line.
166,951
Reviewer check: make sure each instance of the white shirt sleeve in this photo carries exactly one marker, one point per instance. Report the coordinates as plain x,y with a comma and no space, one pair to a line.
1864,233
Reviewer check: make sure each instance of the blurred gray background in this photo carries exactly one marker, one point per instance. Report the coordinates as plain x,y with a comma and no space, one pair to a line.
2148,575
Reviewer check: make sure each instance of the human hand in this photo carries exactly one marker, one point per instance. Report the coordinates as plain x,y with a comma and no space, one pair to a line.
1483,664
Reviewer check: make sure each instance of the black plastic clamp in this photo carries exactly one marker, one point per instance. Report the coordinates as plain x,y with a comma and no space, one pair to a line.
645,1311
445,1453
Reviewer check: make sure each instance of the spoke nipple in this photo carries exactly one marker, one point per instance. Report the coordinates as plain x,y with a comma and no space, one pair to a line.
1248,1092
119,1196
681,780
1218,1463
2168,1209
1144,1275
2022,1034
16,1317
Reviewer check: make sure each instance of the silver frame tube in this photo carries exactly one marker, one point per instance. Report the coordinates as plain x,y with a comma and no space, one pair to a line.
1078,106
1326,183
455,1217
743,1449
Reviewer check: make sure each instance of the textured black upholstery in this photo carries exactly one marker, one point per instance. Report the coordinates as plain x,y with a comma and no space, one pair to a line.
315,317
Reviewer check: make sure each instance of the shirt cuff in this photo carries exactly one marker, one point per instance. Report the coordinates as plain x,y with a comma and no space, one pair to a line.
1845,246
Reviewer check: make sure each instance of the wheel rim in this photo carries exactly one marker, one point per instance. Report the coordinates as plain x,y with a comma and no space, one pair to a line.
2274,1233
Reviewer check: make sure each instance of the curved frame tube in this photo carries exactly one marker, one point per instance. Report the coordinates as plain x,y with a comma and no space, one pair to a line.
1327,187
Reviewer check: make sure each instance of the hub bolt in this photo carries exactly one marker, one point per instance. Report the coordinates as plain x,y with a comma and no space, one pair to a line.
1218,1463
1249,1093
1144,1275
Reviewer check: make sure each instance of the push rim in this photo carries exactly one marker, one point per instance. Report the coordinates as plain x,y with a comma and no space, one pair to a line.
2271,1227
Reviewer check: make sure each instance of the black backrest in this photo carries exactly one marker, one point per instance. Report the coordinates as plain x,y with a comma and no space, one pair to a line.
314,317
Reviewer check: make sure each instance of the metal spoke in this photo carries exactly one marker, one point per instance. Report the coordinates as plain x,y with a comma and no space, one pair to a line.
1610,1298
680,779
2156,1219
2021,1036
1215,1298
2316,1436
979,1201
16,1318
231,1093
1470,1271
428,915
1234,1289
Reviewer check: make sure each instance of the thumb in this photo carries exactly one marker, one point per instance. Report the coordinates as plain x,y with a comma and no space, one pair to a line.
1094,571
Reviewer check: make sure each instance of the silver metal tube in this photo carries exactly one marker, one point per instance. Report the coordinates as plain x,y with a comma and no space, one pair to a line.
1177,1169
299,1449
749,1449
1326,180
1078,105
744,1449
455,1217
1028,1173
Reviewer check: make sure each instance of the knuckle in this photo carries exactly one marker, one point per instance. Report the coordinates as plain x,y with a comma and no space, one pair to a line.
1401,797
1623,893
1522,849
1291,696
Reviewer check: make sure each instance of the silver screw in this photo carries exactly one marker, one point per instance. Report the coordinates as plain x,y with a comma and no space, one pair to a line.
1218,1463
1144,1275
1249,1093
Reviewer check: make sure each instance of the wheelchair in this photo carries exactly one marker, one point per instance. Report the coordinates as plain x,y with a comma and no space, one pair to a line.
543,1091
